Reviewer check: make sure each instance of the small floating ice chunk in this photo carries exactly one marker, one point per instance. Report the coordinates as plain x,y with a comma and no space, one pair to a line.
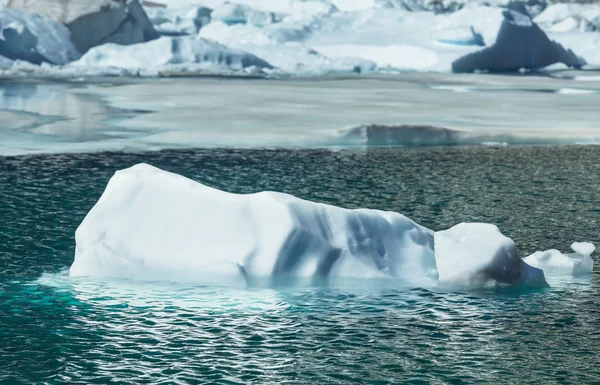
553,262
478,254
583,248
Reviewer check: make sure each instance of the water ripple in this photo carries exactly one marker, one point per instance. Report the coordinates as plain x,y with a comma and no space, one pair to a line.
54,329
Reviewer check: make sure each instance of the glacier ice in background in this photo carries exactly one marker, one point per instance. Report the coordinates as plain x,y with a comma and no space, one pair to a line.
154,225
94,22
520,44
170,54
32,38
327,36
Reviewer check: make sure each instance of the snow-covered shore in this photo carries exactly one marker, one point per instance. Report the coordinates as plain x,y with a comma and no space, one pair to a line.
293,37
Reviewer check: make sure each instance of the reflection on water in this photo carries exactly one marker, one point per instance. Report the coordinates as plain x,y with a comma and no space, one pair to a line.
40,116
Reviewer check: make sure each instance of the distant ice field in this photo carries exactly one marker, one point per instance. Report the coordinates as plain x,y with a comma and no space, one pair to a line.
380,110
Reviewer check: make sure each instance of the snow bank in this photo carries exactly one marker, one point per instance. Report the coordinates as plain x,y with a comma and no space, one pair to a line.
32,38
154,225
520,44
553,262
477,254
170,53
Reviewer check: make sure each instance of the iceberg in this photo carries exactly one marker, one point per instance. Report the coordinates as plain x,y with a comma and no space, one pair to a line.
478,254
177,22
95,22
170,53
520,44
153,225
30,37
553,262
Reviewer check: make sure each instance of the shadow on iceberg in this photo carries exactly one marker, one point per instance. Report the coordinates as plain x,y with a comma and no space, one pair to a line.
520,44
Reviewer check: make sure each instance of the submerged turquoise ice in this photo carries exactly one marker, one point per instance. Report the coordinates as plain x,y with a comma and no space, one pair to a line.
56,329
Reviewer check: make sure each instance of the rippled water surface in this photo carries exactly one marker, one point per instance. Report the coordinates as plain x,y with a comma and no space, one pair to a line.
54,329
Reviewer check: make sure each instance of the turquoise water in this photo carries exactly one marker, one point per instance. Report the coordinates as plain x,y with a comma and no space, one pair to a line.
54,329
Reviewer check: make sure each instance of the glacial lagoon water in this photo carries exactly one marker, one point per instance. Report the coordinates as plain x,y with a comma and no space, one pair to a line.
55,329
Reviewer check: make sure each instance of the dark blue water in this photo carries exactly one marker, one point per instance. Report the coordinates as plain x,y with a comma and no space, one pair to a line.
54,329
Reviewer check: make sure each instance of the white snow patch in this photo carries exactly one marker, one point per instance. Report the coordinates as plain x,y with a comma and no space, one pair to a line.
27,36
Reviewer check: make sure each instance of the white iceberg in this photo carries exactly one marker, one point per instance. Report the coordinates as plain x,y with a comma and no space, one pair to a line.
33,38
154,225
553,262
477,254
94,22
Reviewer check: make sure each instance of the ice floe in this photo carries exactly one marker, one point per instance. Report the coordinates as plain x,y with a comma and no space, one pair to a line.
94,22
151,224
520,44
154,225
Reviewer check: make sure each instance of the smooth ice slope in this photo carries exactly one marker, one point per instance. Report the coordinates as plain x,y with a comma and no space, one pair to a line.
154,225
553,262
477,254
